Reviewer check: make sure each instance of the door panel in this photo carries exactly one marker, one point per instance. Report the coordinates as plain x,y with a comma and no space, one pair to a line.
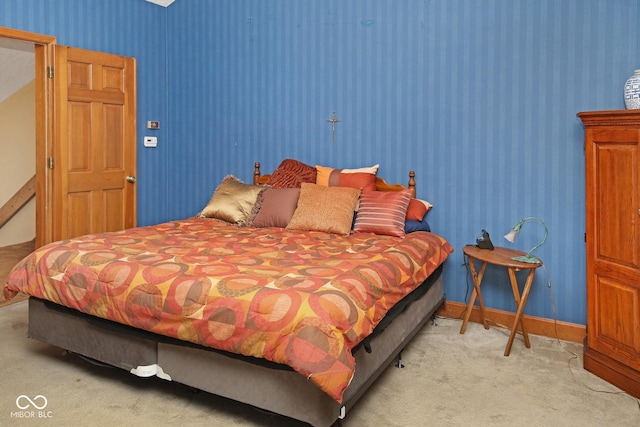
95,142
616,182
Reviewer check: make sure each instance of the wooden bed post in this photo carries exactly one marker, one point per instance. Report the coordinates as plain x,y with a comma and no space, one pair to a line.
256,172
412,183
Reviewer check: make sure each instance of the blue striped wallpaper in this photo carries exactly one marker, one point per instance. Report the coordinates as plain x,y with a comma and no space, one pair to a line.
478,97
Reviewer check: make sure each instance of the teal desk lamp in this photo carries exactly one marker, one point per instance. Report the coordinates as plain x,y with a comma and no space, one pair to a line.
511,237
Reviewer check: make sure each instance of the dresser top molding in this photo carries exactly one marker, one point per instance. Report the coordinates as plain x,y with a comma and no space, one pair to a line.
610,117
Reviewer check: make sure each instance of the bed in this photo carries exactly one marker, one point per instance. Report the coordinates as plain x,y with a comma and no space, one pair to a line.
291,294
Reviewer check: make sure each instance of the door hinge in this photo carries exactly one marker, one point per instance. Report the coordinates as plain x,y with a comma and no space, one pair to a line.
50,163
50,71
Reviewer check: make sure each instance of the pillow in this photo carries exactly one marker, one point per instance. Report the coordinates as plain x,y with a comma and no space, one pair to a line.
290,174
232,201
276,207
328,209
411,225
418,209
362,178
383,212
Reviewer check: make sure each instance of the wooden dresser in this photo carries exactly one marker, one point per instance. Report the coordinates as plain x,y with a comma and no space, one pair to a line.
612,160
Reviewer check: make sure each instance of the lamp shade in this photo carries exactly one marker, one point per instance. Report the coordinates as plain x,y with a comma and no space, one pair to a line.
511,236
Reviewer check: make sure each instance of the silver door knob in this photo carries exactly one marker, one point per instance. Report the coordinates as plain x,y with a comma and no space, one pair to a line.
131,179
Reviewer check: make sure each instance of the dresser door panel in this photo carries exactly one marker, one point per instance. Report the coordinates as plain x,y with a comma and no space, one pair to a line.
615,198
613,248
616,326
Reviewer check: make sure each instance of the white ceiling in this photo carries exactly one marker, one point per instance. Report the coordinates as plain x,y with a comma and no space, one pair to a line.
164,3
17,66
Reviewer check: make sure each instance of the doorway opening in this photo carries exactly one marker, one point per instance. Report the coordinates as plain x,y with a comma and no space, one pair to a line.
17,142
27,146
24,130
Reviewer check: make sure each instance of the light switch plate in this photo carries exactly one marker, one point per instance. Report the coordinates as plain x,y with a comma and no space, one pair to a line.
150,141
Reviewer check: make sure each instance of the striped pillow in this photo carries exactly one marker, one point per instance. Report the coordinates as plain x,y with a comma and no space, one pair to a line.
383,212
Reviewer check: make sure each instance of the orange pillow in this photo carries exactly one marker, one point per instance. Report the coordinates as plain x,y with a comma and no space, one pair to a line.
328,209
418,209
361,178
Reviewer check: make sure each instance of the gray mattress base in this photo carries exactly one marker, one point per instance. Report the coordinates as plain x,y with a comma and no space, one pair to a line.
280,391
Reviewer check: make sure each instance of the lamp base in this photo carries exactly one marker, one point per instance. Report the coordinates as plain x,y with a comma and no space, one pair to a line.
527,258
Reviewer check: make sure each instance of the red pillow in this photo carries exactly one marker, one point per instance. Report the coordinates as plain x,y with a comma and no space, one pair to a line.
291,173
383,212
418,209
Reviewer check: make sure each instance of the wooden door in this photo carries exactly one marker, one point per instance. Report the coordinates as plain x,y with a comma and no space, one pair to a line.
613,251
94,149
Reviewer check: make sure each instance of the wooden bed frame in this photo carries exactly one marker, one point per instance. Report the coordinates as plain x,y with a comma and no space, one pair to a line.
270,387
381,184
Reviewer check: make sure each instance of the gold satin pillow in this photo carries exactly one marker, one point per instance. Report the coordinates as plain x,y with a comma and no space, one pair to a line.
232,201
328,209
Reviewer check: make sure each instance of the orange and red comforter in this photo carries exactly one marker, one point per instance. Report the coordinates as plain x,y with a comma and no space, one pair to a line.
304,299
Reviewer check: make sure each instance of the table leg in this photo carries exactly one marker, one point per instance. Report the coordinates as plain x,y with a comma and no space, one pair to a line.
521,302
516,297
477,279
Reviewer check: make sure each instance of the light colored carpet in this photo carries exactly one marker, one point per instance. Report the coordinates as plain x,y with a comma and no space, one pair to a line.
449,380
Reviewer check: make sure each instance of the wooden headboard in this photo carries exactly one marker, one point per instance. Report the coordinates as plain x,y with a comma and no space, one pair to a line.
381,184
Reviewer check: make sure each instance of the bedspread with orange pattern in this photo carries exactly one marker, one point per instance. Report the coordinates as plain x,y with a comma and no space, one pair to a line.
304,299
